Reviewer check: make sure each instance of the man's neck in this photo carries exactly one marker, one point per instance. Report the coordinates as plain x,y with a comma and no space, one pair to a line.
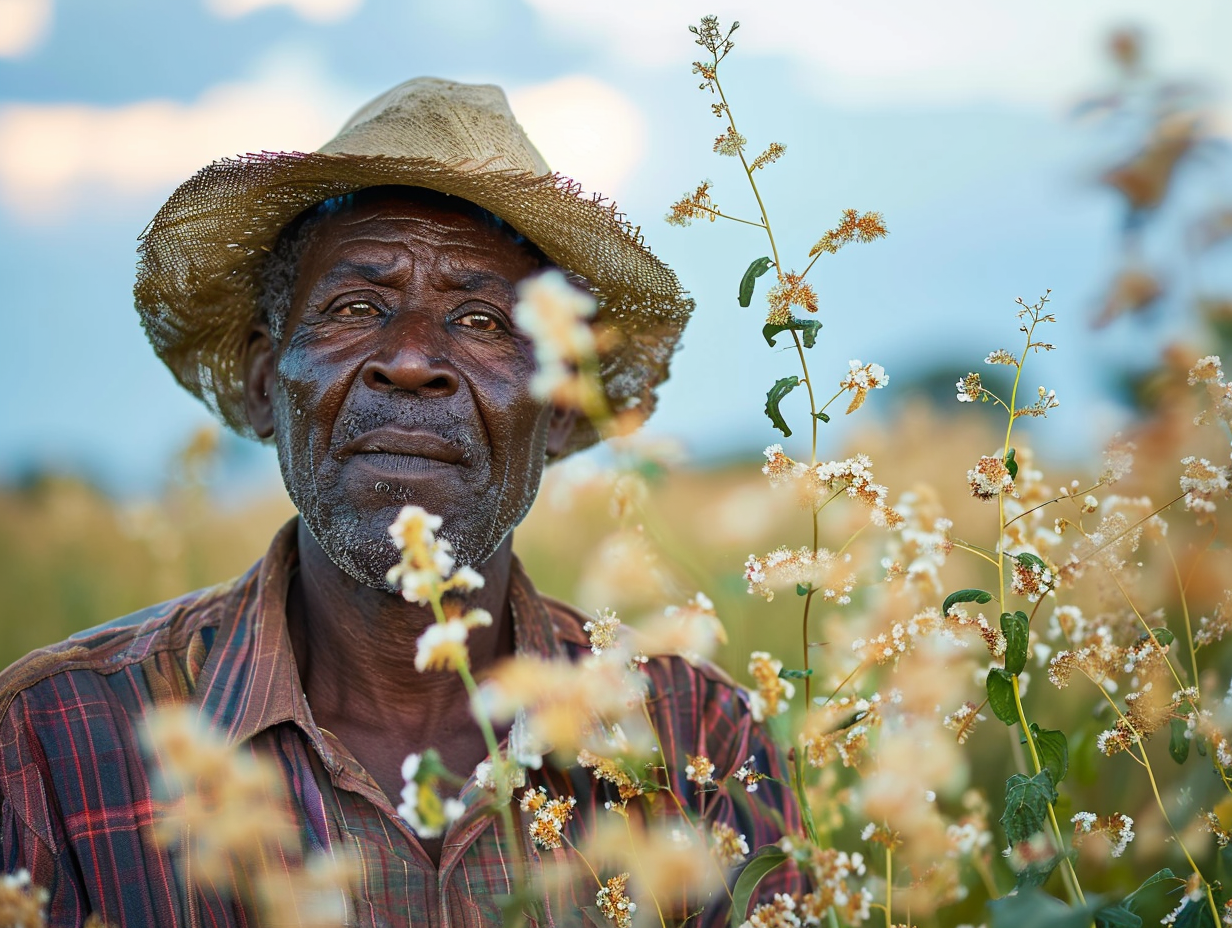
355,650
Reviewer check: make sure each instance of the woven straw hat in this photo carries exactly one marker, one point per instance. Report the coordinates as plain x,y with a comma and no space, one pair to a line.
200,257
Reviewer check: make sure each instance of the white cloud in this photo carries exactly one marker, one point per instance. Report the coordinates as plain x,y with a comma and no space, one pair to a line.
585,129
56,156
23,24
905,52
320,11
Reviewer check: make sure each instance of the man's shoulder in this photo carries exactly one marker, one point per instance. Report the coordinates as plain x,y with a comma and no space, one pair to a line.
99,652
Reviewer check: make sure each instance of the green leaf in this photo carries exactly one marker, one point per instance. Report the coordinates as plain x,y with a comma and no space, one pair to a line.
1026,814
1154,889
1178,744
1001,696
1026,805
965,596
764,861
1114,916
756,269
1163,635
775,396
808,327
795,674
1033,908
1016,631
1053,751
802,589
1010,464
1027,559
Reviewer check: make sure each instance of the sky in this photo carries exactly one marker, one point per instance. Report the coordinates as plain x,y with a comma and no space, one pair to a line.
952,118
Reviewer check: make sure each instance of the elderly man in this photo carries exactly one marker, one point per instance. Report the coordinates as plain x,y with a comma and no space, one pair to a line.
355,306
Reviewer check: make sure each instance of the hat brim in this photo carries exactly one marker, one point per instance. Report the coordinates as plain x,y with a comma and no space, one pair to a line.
201,256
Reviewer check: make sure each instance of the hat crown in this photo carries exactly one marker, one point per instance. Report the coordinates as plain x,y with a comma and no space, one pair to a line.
467,125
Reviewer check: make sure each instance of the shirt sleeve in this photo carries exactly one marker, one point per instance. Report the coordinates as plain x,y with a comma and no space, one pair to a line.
27,830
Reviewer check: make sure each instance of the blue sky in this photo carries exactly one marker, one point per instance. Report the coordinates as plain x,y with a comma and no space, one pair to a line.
948,117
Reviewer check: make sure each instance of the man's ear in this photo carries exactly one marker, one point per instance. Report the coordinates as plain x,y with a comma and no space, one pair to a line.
560,428
259,381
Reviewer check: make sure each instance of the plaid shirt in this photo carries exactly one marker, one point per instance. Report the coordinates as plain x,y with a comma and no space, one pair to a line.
76,799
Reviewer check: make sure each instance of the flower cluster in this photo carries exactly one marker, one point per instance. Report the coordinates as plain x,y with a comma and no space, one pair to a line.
854,227
860,378
1047,400
1031,578
828,574
970,388
816,484
748,775
422,807
840,729
1202,483
1210,823
603,630
442,646
425,571
614,902
695,205
729,847
990,478
962,721
700,770
1116,829
556,315
692,631
773,692
612,771
21,902
790,290
773,153
566,706
731,143
1209,371
780,912
1213,627
547,828
831,873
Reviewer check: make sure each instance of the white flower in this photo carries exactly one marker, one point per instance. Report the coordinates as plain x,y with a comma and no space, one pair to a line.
423,573
421,808
441,646
555,314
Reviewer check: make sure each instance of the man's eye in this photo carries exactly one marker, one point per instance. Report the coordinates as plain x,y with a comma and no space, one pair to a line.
481,320
354,308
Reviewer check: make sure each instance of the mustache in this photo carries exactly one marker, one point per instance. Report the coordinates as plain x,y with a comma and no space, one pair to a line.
447,425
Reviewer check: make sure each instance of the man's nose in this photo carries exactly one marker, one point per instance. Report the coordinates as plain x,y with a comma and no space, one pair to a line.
410,360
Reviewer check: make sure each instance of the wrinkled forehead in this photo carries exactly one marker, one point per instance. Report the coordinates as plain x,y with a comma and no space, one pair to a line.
427,207
383,236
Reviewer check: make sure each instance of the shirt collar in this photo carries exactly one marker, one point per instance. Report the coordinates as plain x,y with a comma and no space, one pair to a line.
250,681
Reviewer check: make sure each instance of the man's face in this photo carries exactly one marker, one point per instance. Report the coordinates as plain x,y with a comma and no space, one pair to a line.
401,379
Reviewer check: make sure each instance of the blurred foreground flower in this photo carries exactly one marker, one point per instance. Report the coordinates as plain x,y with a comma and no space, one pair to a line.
227,812
21,903
426,569
556,315
422,807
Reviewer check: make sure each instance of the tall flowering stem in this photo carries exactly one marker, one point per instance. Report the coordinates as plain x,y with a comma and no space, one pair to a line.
994,477
791,289
425,574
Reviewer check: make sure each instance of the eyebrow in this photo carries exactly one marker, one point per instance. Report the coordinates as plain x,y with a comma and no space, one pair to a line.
473,280
390,272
